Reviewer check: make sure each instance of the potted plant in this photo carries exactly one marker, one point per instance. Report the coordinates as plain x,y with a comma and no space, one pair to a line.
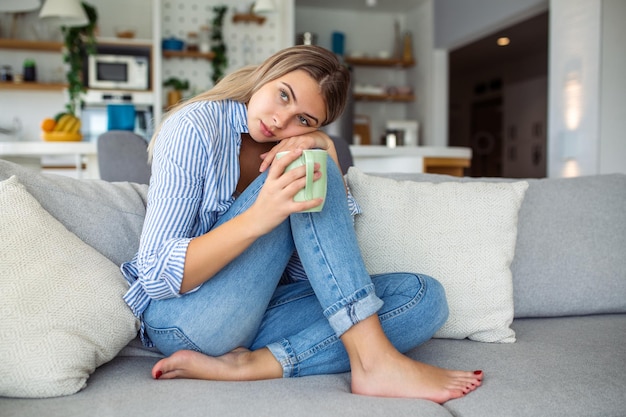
219,61
78,41
176,93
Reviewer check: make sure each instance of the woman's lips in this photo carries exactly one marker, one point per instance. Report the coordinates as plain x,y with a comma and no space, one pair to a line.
265,130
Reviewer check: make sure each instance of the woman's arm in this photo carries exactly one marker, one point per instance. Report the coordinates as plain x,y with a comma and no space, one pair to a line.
209,253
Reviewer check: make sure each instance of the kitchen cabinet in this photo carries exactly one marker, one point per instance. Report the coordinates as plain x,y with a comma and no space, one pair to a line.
412,159
30,153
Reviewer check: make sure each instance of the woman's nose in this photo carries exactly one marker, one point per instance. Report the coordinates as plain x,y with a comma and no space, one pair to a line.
279,120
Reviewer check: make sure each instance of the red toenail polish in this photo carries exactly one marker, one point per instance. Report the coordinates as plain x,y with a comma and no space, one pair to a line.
158,374
478,372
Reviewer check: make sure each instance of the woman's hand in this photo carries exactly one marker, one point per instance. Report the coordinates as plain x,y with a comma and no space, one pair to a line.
312,140
275,201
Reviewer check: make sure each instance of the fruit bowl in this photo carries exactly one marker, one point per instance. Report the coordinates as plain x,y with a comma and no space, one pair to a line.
62,136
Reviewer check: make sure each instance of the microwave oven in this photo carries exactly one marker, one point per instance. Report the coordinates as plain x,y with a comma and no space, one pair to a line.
118,72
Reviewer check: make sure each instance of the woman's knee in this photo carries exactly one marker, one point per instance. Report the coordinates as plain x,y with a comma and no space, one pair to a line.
417,300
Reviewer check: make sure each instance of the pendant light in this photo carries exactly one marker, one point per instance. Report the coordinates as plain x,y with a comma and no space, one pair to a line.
64,13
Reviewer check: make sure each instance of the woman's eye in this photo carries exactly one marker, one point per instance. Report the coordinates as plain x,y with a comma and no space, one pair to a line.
283,95
303,121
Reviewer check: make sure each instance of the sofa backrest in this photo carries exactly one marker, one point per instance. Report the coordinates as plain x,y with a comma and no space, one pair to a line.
570,255
106,215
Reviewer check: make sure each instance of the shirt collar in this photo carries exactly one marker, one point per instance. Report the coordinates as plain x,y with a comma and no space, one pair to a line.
240,116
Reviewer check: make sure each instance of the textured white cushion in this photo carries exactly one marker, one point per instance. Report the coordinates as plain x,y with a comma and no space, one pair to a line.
62,309
462,234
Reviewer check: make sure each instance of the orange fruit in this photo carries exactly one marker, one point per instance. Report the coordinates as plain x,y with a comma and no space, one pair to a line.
47,125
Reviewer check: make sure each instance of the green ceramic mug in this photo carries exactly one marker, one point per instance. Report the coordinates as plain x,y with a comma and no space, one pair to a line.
313,189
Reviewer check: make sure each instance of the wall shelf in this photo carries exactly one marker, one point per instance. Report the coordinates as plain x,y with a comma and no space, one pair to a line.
379,62
402,98
31,45
188,54
30,86
248,17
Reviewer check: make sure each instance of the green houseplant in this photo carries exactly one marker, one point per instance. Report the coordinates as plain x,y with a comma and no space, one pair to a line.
77,42
218,47
177,86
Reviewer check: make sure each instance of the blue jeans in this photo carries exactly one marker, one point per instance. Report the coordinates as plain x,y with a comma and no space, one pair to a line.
301,322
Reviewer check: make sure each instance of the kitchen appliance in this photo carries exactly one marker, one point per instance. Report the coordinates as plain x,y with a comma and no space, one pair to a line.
407,131
124,72
100,105
306,38
118,67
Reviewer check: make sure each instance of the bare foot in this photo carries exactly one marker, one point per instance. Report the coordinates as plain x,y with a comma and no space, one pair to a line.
378,369
239,365
404,377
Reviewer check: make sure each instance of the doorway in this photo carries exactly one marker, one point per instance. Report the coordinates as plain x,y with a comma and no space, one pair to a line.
498,100
486,138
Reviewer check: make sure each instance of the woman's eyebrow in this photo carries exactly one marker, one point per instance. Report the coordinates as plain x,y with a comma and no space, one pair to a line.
296,101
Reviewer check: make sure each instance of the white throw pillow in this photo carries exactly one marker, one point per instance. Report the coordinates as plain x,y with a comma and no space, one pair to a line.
62,312
461,233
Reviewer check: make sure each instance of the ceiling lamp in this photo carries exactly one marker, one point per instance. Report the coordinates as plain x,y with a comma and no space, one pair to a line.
503,41
264,6
64,13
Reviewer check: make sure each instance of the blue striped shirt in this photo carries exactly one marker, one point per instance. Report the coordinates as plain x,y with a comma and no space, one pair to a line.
195,170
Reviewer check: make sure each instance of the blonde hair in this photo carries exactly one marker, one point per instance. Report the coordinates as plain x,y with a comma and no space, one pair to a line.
321,64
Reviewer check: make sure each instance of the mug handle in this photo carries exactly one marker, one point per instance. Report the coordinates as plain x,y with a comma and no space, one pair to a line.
309,161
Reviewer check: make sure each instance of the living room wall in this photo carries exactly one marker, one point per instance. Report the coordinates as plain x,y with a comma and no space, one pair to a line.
604,149
613,88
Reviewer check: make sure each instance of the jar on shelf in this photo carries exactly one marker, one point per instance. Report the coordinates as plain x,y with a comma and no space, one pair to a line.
407,53
30,70
6,73
205,39
192,42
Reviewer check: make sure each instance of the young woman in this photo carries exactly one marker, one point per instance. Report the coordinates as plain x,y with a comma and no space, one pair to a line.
233,283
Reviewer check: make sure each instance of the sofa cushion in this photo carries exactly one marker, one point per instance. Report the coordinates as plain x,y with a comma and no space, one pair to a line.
569,257
62,308
123,388
559,366
463,235
107,216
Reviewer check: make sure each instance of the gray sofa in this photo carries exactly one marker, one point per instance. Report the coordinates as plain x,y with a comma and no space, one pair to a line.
569,280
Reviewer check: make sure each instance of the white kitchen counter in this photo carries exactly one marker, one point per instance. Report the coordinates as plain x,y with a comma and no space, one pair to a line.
30,153
411,159
371,158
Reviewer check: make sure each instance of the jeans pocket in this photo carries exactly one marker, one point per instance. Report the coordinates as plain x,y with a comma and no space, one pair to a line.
170,340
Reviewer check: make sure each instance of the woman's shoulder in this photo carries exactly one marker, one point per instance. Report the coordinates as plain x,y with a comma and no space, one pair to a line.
208,113
211,125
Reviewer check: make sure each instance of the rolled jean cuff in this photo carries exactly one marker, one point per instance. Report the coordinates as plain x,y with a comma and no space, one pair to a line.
284,354
353,309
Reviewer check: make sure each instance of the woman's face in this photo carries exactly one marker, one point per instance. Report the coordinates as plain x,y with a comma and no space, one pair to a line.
289,106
